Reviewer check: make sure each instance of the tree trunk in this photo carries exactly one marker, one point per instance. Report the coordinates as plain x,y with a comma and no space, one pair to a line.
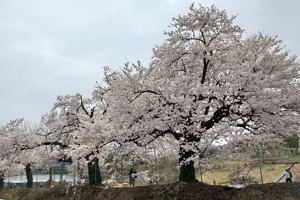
261,175
50,176
201,175
1,181
187,170
94,172
29,175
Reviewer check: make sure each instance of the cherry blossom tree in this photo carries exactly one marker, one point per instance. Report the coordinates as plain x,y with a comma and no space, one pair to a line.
206,83
79,131
4,159
67,132
17,134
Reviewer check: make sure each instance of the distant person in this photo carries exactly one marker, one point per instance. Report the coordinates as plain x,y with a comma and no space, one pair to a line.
288,174
132,176
13,186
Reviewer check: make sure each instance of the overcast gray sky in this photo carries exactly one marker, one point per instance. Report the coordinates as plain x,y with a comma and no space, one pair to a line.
55,47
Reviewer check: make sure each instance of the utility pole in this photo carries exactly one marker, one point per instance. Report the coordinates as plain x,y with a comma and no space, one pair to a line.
200,168
261,157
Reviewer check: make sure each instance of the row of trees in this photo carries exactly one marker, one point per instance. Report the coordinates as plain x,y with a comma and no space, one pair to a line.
207,85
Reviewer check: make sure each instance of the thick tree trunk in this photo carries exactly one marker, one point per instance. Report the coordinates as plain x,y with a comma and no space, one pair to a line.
1,180
94,172
187,170
29,175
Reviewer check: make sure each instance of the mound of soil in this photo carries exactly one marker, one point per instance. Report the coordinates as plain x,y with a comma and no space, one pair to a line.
175,191
179,190
271,191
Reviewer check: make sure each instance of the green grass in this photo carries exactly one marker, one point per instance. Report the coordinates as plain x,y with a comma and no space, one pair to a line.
291,158
223,183
264,165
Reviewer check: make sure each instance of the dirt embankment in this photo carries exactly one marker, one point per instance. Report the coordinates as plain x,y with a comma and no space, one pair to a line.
175,191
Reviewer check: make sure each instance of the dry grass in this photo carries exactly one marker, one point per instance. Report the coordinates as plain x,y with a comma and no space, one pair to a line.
218,176
270,173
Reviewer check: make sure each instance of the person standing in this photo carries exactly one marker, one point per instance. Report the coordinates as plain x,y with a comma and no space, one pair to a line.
132,176
288,174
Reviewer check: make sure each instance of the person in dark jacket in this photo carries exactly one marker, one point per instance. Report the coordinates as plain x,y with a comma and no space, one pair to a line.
132,176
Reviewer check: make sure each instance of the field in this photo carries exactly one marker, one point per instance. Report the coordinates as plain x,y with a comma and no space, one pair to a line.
270,170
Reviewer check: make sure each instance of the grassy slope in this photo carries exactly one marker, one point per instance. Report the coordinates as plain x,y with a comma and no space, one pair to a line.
270,171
